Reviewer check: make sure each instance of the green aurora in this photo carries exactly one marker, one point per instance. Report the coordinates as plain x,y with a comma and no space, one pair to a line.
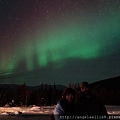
89,36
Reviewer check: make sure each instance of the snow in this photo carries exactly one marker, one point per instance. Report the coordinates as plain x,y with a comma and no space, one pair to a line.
26,110
44,110
113,110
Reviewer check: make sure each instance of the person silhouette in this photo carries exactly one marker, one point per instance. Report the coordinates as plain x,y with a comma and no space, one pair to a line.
66,106
89,104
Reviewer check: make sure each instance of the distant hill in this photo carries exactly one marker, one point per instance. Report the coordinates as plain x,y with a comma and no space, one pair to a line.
15,86
111,83
108,90
58,87
10,86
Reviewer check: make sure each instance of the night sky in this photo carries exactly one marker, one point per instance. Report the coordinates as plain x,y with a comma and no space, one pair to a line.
59,41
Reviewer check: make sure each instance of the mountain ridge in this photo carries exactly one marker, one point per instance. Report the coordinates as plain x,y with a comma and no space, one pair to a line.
109,82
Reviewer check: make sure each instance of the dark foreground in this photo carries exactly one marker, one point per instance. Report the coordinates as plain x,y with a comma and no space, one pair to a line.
30,117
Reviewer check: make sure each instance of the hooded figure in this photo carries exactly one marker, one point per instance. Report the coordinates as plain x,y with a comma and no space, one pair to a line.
66,105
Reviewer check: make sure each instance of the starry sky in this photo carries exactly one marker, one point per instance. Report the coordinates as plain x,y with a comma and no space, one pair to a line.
59,41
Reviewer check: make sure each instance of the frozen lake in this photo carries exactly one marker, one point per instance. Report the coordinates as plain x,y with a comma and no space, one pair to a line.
38,113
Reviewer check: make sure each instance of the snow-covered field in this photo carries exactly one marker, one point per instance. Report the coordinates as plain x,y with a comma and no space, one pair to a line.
26,113
38,113
113,110
45,110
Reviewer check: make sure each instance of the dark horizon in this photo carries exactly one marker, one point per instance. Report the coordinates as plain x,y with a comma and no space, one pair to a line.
59,84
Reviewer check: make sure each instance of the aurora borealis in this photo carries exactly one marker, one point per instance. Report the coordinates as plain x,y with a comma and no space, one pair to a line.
59,41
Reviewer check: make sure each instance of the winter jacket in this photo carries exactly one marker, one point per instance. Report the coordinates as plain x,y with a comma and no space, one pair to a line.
64,108
58,111
89,104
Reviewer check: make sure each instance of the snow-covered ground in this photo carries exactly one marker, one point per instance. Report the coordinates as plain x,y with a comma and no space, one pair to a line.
44,110
113,110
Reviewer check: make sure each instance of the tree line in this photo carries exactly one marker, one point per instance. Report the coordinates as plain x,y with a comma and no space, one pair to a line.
24,96
49,95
